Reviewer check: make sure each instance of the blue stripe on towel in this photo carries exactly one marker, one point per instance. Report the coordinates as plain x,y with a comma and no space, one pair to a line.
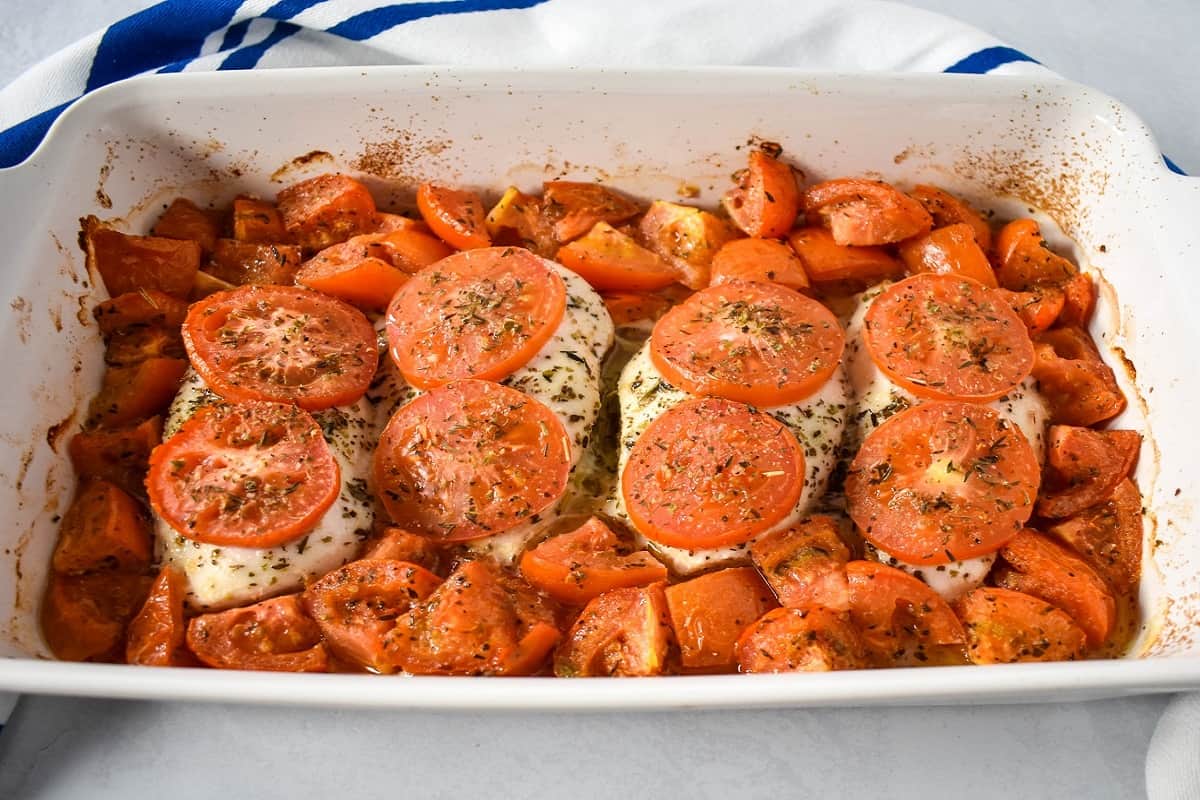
988,59
1171,165
377,20
21,139
248,57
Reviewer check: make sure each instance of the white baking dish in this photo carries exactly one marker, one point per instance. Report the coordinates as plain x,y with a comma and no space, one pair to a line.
1075,154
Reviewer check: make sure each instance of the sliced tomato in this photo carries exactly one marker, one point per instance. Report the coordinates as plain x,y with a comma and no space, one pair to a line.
1079,301
946,209
134,263
1044,568
120,456
1078,386
903,622
948,338
1004,626
156,634
84,616
137,310
767,260
517,219
942,482
573,208
455,215
805,564
398,544
480,621
766,200
608,259
249,475
574,567
471,459
103,528
621,633
257,220
1023,260
1109,536
132,347
478,314
628,308
865,213
358,604
391,223
183,219
411,249
710,612
710,473
1039,308
753,342
135,392
801,640
1083,467
242,263
952,250
281,343
686,238
325,210
275,635
827,262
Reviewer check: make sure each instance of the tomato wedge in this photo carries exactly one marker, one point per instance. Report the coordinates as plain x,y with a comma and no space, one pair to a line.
621,633
247,475
827,262
1083,467
766,200
861,212
712,472
573,208
952,250
477,314
628,308
455,215
397,544
1039,308
275,635
325,210
103,528
84,616
752,342
281,343
710,612
903,622
574,567
1023,260
471,459
1004,626
608,259
147,308
1109,536
767,260
357,604
801,640
480,621
1078,386
686,238
948,338
156,634
942,482
1079,301
183,219
946,209
805,564
1046,569
256,220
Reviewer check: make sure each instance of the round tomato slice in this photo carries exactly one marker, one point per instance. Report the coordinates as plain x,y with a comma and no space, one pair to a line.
758,343
942,482
477,314
471,459
281,343
949,338
710,473
246,475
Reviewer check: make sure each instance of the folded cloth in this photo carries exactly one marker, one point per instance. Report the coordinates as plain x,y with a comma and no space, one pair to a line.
818,35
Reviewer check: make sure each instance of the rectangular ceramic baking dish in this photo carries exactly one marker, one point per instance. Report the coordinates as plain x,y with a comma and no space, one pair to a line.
1011,145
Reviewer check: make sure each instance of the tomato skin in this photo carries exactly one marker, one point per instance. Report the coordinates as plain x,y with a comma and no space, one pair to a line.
156,635
83,617
765,260
715,449
357,604
1109,536
103,528
805,564
325,210
143,309
1004,627
620,633
942,482
946,209
257,220
133,393
951,250
801,640
686,238
903,621
275,635
573,208
1023,260
865,213
456,216
574,567
183,219
134,263
754,343
247,475
1078,386
609,260
1039,308
121,455
433,324
284,344
1079,301
480,621
262,264
1083,467
397,544
710,612
828,263
470,459
766,200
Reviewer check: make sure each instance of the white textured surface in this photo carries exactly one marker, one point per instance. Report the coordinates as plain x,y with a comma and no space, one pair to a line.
55,747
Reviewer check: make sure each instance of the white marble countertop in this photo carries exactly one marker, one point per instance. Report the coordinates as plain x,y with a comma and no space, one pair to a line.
67,748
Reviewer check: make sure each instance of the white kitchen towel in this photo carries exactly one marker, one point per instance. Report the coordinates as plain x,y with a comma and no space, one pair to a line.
819,35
